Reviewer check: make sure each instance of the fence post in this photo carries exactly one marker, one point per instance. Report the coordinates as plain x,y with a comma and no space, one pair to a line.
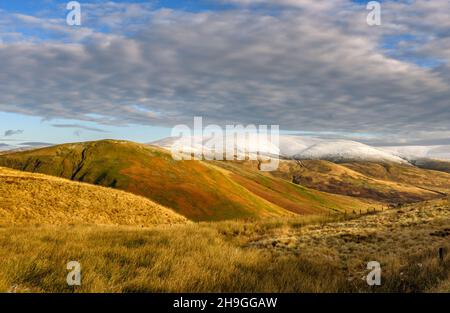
442,253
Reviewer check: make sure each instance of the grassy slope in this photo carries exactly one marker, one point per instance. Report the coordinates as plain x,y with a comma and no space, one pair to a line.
365,180
430,164
436,181
405,241
197,190
193,189
28,199
296,198
304,254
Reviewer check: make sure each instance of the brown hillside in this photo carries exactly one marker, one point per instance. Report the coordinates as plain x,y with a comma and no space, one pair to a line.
382,182
198,190
28,199
193,189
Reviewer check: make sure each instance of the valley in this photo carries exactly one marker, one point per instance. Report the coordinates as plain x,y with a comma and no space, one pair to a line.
138,221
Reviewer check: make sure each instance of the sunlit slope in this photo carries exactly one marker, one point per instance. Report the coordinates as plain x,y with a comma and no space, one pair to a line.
431,180
342,179
28,199
293,197
193,189
197,190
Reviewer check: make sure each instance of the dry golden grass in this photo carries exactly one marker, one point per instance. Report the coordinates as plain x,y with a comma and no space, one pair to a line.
27,199
304,254
196,191
283,193
193,258
385,182
405,241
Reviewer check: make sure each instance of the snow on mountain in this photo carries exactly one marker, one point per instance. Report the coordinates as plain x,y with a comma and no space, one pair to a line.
252,144
294,147
340,150
5,147
441,152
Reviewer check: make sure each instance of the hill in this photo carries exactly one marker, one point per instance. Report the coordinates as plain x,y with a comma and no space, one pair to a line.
29,199
405,184
193,189
413,153
302,254
435,181
381,181
296,147
410,243
296,197
430,164
197,190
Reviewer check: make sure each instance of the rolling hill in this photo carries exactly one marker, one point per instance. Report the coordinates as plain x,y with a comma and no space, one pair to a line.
380,181
197,190
193,189
413,153
293,147
337,166
29,199
404,184
430,164
434,181
296,197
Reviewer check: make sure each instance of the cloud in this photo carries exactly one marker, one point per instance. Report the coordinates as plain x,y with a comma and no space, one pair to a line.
12,132
94,129
35,144
309,65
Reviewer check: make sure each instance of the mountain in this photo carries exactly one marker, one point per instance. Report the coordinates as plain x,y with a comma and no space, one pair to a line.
437,165
5,148
431,180
334,166
294,197
29,199
297,147
195,189
389,183
334,150
413,153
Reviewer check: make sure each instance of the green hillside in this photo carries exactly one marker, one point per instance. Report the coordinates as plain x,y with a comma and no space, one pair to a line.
197,190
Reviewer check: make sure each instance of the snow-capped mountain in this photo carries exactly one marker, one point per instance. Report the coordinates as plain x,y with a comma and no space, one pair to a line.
341,150
251,144
295,147
441,152
6,148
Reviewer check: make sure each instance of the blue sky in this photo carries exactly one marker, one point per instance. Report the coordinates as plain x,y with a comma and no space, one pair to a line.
36,129
134,69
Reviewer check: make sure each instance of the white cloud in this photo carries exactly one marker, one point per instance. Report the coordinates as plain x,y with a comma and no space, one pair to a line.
311,66
13,132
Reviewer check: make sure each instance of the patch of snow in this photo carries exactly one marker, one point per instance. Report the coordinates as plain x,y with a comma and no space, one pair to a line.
441,152
296,147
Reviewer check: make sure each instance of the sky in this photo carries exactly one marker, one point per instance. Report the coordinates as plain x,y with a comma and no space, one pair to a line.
135,69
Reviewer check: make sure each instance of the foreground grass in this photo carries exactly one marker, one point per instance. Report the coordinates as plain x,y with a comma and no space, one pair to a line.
179,258
309,254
